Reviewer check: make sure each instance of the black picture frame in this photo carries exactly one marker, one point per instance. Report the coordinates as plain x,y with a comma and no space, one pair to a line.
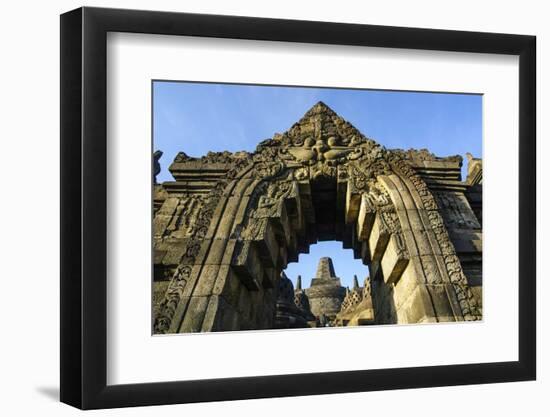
84,207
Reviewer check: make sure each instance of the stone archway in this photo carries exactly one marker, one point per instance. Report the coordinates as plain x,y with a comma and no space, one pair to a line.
230,223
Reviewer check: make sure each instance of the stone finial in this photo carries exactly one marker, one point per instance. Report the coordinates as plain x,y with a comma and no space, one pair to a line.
355,282
299,282
287,313
474,170
156,165
320,108
325,269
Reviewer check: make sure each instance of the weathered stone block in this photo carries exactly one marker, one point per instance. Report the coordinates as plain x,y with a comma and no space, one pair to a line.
465,245
159,289
302,186
413,219
263,234
158,255
442,304
175,254
211,276
417,308
421,242
383,302
393,262
365,252
430,265
219,251
193,319
247,265
378,239
403,289
353,203
365,219
164,216
226,220
228,285
220,316
402,190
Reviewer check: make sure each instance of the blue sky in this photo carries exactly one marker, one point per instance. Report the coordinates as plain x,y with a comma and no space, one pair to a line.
200,117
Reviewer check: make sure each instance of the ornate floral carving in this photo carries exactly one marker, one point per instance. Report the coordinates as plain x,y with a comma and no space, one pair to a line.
364,171
322,141
467,301
196,217
301,174
420,155
391,223
455,217
380,202
267,170
168,305
320,145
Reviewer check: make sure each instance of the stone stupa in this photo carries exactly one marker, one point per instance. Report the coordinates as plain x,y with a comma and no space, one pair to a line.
326,292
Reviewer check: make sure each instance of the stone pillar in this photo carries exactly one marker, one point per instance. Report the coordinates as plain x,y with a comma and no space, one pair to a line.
424,292
409,254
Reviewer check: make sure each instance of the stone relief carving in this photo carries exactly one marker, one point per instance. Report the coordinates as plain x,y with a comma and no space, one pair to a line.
468,303
168,305
265,203
320,142
419,155
320,145
455,215
196,220
391,223
184,218
380,202
324,147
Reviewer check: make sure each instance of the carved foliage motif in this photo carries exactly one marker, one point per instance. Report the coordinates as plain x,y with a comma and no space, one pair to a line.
363,173
420,155
321,141
391,223
183,218
194,214
456,217
379,201
168,305
321,144
468,304
197,223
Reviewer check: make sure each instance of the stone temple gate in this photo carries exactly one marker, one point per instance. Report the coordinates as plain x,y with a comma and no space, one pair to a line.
229,223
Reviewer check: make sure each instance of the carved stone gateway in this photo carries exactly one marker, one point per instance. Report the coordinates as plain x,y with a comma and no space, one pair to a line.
230,223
